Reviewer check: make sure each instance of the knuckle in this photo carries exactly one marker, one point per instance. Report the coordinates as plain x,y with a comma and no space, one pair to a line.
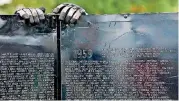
62,7
66,8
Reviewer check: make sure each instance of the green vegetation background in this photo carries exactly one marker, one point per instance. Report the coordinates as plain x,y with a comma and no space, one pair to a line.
98,6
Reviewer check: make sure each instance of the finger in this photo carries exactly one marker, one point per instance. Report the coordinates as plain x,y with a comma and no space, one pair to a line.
40,14
59,8
23,14
28,11
70,14
35,15
75,17
83,12
64,12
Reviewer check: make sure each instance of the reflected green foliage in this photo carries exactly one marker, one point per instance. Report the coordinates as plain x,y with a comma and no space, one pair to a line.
99,6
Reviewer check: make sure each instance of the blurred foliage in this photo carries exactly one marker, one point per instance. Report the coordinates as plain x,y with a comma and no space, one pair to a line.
98,6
